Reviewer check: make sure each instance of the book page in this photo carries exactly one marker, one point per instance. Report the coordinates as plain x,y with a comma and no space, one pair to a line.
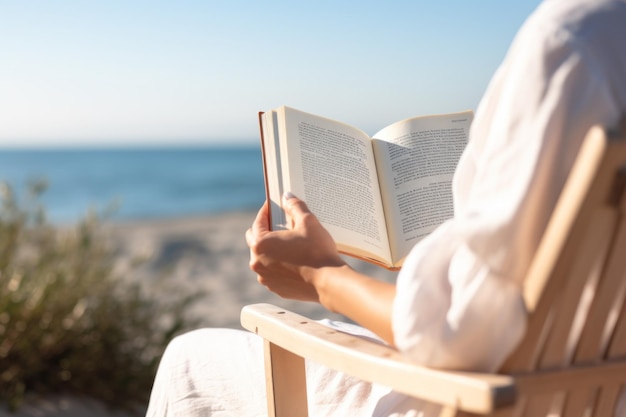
416,159
331,167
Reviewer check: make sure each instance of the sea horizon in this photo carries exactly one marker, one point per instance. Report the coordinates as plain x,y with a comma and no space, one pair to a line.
142,182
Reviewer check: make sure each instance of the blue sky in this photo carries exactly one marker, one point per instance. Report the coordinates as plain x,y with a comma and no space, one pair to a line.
197,72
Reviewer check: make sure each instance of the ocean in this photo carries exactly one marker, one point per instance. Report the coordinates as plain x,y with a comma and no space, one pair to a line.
142,183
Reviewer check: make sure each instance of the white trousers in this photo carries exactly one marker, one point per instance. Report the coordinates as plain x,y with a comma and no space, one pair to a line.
219,372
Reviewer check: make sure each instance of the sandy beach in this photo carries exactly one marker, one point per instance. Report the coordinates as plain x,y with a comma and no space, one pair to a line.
205,254
209,255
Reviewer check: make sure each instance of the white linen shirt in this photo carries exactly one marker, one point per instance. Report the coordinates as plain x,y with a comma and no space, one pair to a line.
459,302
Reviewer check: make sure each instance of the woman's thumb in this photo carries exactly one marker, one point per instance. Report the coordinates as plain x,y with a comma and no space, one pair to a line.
294,207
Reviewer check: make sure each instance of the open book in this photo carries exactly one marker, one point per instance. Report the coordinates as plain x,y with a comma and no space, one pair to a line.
376,196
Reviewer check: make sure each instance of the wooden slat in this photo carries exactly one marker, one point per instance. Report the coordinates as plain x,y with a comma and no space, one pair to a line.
606,401
617,346
542,389
588,187
526,355
285,382
371,361
538,405
584,267
575,377
582,193
609,295
578,402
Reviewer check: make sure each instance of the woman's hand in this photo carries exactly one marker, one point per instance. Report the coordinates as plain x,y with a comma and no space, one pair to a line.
287,261
302,263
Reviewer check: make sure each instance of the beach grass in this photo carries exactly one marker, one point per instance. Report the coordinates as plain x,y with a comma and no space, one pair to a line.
68,323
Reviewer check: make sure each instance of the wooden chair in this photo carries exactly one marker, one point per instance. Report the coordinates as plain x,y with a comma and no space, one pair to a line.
572,360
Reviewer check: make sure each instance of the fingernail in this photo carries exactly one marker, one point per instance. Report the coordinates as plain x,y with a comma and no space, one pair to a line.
288,195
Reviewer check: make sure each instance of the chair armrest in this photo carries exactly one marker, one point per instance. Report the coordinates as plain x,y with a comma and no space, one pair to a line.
376,362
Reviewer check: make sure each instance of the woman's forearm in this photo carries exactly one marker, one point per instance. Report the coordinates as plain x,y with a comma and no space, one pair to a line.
361,298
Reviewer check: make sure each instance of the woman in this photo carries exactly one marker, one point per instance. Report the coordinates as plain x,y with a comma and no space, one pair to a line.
457,302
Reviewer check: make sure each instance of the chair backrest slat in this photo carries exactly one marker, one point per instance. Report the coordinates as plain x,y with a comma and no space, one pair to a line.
606,401
569,260
585,270
606,304
577,402
617,340
617,345
539,405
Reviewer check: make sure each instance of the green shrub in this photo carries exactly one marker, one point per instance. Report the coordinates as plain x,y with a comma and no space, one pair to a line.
67,323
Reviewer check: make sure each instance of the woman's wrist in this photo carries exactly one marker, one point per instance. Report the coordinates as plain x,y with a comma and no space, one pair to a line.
326,281
361,298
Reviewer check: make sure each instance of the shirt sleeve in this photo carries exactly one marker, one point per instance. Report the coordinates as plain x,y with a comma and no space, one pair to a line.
459,302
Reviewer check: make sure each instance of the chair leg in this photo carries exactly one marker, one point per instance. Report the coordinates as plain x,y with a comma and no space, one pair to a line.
285,376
